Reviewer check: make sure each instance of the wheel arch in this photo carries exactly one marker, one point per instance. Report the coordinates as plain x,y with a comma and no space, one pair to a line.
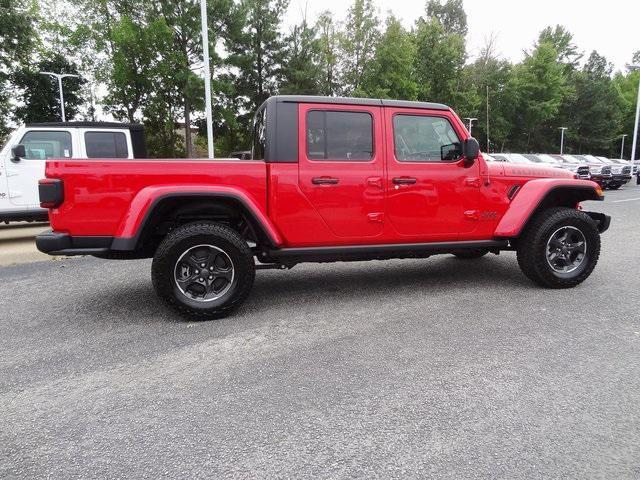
538,195
140,224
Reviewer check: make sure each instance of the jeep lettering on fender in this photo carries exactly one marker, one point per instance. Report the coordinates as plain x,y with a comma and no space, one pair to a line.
330,179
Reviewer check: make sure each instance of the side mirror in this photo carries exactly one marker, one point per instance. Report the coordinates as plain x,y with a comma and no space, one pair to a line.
17,153
470,150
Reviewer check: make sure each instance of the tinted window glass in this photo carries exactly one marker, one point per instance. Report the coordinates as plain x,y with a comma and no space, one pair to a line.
260,134
425,139
43,145
339,136
106,145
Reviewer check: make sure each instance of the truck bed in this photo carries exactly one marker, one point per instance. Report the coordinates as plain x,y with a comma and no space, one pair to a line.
99,193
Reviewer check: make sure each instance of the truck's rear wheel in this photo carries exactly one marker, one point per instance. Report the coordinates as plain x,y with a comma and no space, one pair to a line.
203,270
559,248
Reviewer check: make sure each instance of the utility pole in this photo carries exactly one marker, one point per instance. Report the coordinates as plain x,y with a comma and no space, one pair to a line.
562,129
622,148
470,120
207,76
635,129
59,77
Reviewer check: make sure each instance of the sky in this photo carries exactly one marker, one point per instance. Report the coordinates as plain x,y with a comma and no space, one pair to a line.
612,28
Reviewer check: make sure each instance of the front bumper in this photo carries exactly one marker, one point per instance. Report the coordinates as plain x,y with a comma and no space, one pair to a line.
621,178
602,221
54,243
602,179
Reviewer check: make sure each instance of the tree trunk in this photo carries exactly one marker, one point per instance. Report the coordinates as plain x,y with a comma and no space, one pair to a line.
187,124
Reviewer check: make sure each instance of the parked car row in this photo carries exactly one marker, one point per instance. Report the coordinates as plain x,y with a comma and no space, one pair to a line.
607,172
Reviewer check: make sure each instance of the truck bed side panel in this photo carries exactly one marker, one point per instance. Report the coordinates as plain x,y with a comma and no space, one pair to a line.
99,193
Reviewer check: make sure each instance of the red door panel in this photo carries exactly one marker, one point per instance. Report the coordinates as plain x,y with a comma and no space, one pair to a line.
341,167
428,199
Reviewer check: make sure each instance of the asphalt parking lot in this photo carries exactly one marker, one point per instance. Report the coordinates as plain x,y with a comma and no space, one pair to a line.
434,368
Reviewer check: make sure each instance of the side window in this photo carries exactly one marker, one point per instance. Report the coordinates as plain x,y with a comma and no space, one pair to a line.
260,134
41,145
106,145
339,136
425,139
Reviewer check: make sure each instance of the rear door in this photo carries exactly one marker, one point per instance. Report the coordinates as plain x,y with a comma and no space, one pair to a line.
341,167
23,175
431,194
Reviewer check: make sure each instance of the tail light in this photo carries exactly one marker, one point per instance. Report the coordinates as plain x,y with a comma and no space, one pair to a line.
51,192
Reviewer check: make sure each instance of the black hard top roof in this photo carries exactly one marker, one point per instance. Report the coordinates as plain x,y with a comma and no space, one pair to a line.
358,101
124,126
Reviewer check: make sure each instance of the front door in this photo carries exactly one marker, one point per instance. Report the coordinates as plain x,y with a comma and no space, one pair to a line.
431,194
341,167
23,174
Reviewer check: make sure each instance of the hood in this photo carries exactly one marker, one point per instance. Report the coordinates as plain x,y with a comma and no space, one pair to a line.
525,170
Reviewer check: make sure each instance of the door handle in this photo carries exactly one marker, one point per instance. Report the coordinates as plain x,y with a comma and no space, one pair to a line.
404,181
325,181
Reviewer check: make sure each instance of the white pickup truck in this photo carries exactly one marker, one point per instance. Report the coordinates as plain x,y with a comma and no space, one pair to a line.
22,159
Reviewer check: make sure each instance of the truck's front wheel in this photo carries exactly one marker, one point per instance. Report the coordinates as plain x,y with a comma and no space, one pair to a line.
559,248
203,270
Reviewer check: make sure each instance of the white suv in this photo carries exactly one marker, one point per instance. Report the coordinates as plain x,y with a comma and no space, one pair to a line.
22,159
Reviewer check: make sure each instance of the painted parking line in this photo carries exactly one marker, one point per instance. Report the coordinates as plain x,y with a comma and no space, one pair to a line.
626,200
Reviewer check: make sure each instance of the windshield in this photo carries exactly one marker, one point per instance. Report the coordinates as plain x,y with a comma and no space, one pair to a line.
584,159
566,158
536,158
547,159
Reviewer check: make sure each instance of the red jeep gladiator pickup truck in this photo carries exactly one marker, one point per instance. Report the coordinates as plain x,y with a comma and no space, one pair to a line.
330,179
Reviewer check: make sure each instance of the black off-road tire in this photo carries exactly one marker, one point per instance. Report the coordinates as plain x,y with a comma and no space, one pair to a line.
532,247
184,238
471,254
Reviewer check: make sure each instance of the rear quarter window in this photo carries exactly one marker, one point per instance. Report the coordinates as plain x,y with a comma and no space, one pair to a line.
106,145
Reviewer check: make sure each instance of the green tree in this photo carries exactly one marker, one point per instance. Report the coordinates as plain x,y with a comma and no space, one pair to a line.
539,87
135,64
17,39
450,14
562,41
328,55
358,43
626,86
39,94
257,51
490,76
440,60
302,72
593,111
391,72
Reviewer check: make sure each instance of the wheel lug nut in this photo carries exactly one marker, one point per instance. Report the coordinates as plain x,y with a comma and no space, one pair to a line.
202,265
201,279
210,278
197,272
211,268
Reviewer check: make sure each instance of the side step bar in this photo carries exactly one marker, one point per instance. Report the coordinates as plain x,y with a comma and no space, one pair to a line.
374,252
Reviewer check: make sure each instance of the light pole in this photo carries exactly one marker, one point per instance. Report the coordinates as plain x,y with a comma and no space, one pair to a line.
59,77
207,75
562,129
635,129
622,147
470,120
